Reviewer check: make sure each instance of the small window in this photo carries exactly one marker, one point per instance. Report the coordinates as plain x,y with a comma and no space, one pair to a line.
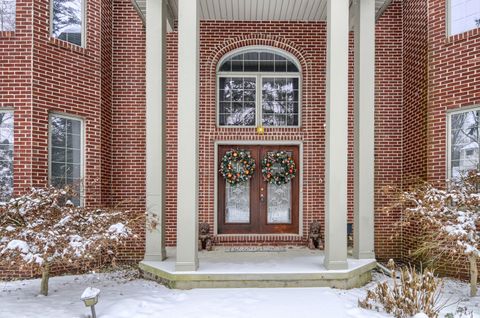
7,15
66,154
6,155
463,15
258,87
68,20
464,142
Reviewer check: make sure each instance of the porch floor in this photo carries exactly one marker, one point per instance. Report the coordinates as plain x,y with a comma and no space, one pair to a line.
259,267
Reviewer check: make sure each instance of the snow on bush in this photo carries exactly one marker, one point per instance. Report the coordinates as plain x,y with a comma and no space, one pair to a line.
447,220
44,229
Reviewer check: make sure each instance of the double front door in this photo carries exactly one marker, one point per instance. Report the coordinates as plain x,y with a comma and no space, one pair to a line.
257,206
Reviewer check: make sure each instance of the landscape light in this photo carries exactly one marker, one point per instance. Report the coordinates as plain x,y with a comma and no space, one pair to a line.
90,298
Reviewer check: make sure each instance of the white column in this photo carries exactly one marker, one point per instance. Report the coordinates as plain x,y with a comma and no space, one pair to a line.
188,91
336,135
364,28
155,89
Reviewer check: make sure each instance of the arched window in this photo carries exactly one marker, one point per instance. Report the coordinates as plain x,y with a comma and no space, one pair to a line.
258,86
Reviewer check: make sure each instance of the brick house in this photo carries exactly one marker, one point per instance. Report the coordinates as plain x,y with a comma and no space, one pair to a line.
138,102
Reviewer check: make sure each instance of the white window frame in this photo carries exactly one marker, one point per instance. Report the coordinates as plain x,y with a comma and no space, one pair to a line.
449,134
258,85
83,29
448,8
82,149
11,111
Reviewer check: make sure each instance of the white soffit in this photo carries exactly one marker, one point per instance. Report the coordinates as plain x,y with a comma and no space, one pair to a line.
257,10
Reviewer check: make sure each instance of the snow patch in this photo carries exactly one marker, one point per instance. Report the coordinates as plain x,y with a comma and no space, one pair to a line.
91,292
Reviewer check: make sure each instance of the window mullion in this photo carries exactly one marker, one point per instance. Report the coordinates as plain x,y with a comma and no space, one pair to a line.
259,100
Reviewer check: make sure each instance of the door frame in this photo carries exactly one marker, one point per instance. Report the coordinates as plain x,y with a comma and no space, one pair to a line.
260,143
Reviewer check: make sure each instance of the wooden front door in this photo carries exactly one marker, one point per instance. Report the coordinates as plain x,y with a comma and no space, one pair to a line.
255,206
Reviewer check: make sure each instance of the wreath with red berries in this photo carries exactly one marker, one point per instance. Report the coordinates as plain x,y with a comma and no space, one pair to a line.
237,166
278,168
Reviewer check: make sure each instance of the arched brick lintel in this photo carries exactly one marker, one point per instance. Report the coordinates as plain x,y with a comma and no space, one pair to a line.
267,41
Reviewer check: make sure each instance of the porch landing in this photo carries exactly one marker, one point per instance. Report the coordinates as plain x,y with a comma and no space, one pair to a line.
227,267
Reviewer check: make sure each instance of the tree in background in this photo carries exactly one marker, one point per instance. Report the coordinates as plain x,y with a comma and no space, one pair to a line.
7,15
6,155
66,14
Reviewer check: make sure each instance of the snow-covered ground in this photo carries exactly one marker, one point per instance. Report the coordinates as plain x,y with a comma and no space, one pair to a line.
125,296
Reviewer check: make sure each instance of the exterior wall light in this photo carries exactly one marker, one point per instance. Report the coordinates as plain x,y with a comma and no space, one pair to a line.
260,130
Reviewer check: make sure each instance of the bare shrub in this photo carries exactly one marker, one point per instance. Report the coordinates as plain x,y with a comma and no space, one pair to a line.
412,293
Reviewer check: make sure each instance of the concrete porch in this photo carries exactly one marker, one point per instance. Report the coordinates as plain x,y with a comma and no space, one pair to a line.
232,267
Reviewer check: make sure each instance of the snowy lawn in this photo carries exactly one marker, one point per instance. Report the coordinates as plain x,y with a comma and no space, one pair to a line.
122,295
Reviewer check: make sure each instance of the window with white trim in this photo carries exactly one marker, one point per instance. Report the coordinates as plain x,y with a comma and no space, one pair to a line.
463,15
6,155
68,20
464,142
7,15
258,87
66,154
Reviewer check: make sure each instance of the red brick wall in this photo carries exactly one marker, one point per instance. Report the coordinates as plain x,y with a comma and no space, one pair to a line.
388,128
128,117
104,83
106,46
16,95
415,67
67,79
16,89
453,82
306,41
440,74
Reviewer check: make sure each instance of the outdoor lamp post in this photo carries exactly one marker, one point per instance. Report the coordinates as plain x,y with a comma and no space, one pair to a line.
90,298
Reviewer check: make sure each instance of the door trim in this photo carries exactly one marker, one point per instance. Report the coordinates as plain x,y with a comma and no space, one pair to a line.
298,143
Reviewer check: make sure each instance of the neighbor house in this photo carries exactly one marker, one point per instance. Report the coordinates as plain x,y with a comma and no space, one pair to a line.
257,117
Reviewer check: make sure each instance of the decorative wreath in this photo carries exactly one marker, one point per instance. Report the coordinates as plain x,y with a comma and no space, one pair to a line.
278,168
237,166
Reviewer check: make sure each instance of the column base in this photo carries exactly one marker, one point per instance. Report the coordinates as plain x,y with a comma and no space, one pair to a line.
156,257
363,255
335,265
186,266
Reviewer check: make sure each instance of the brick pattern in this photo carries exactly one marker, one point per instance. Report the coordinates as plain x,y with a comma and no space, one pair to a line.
307,42
128,118
16,89
420,74
67,80
106,45
415,64
388,128
16,95
452,82
440,75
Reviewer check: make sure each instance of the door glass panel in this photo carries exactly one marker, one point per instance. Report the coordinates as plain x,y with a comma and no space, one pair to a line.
237,203
279,203
279,200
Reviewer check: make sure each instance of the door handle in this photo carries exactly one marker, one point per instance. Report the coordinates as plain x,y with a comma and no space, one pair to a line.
262,197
